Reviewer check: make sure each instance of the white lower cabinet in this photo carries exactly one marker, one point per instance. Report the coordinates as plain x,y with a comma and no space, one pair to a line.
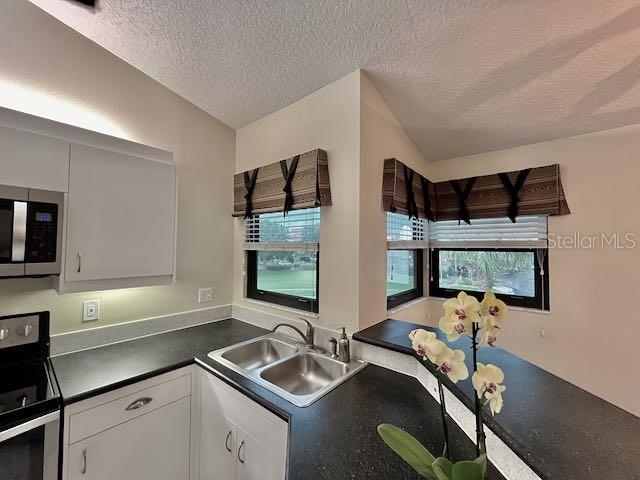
154,446
139,432
183,425
239,439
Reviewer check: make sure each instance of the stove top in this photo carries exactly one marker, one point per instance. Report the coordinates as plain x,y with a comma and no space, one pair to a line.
28,387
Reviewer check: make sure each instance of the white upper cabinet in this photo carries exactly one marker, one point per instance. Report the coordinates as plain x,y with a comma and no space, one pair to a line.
120,216
119,224
33,161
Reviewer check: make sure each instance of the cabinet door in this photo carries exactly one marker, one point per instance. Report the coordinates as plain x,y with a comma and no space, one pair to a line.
218,437
154,446
33,161
121,216
255,461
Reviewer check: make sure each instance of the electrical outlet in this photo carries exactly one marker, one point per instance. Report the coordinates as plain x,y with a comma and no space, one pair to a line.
90,310
205,295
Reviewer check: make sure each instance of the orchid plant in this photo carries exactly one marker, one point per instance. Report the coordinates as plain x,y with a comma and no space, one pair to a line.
482,321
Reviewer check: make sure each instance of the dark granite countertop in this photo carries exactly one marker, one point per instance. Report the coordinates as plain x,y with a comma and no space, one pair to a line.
333,439
560,430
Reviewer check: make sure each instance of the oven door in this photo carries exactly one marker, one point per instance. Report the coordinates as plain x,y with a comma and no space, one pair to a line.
29,451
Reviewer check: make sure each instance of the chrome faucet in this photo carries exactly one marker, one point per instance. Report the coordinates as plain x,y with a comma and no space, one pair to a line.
308,337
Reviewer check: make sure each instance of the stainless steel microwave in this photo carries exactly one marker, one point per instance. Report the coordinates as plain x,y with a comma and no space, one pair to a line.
30,232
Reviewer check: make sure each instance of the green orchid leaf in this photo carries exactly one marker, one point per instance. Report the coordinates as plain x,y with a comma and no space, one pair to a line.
467,470
443,468
409,449
482,460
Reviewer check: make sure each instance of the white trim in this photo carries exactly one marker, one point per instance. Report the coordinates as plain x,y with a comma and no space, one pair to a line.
406,305
275,306
407,245
282,246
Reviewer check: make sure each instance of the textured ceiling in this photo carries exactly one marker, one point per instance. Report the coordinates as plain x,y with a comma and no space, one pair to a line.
461,76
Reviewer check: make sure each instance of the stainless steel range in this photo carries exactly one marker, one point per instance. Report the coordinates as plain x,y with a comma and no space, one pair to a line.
29,400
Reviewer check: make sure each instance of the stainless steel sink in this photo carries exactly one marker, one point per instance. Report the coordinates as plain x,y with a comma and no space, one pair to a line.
305,374
286,367
258,354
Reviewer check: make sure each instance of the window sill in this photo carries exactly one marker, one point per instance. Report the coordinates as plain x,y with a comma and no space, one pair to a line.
519,309
275,306
406,305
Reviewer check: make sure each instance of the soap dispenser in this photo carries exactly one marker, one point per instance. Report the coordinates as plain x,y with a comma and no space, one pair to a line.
344,355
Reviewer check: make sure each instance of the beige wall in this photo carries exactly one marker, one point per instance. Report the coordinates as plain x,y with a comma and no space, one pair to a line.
326,119
350,120
49,70
381,136
591,330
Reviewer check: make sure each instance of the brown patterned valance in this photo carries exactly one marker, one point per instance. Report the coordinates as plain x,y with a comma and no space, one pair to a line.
396,197
532,191
298,182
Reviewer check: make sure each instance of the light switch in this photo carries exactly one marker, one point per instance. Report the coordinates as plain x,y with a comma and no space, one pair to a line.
90,310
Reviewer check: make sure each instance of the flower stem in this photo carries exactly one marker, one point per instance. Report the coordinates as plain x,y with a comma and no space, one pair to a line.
481,447
445,419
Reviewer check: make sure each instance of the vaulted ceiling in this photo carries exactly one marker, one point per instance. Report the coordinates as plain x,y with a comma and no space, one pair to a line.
461,76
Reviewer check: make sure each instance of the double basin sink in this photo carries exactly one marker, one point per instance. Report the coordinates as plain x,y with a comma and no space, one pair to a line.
287,368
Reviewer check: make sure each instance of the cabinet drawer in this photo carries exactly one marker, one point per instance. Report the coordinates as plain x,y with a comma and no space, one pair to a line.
99,418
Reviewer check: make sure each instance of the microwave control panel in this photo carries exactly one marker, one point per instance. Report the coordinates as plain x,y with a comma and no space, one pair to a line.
42,232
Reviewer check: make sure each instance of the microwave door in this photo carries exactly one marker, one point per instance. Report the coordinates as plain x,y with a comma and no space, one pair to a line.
13,231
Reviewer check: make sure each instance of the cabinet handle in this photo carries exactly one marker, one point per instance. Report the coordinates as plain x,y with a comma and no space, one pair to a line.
226,442
84,461
79,262
141,402
240,448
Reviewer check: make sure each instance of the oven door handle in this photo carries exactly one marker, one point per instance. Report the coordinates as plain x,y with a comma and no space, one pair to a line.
27,426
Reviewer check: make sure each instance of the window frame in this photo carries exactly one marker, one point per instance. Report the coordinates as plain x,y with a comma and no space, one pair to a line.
539,302
396,300
291,301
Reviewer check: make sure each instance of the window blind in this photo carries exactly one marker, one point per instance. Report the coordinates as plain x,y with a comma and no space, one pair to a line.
298,230
404,233
527,232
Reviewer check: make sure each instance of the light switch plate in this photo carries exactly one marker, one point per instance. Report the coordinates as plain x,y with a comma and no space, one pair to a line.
90,310
205,295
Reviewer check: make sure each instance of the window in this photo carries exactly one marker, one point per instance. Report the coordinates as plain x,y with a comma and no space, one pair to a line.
491,254
283,258
405,241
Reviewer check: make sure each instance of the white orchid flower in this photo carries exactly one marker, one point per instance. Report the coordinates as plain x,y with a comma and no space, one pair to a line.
451,363
492,307
460,313
486,380
465,307
489,337
453,326
491,328
426,344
